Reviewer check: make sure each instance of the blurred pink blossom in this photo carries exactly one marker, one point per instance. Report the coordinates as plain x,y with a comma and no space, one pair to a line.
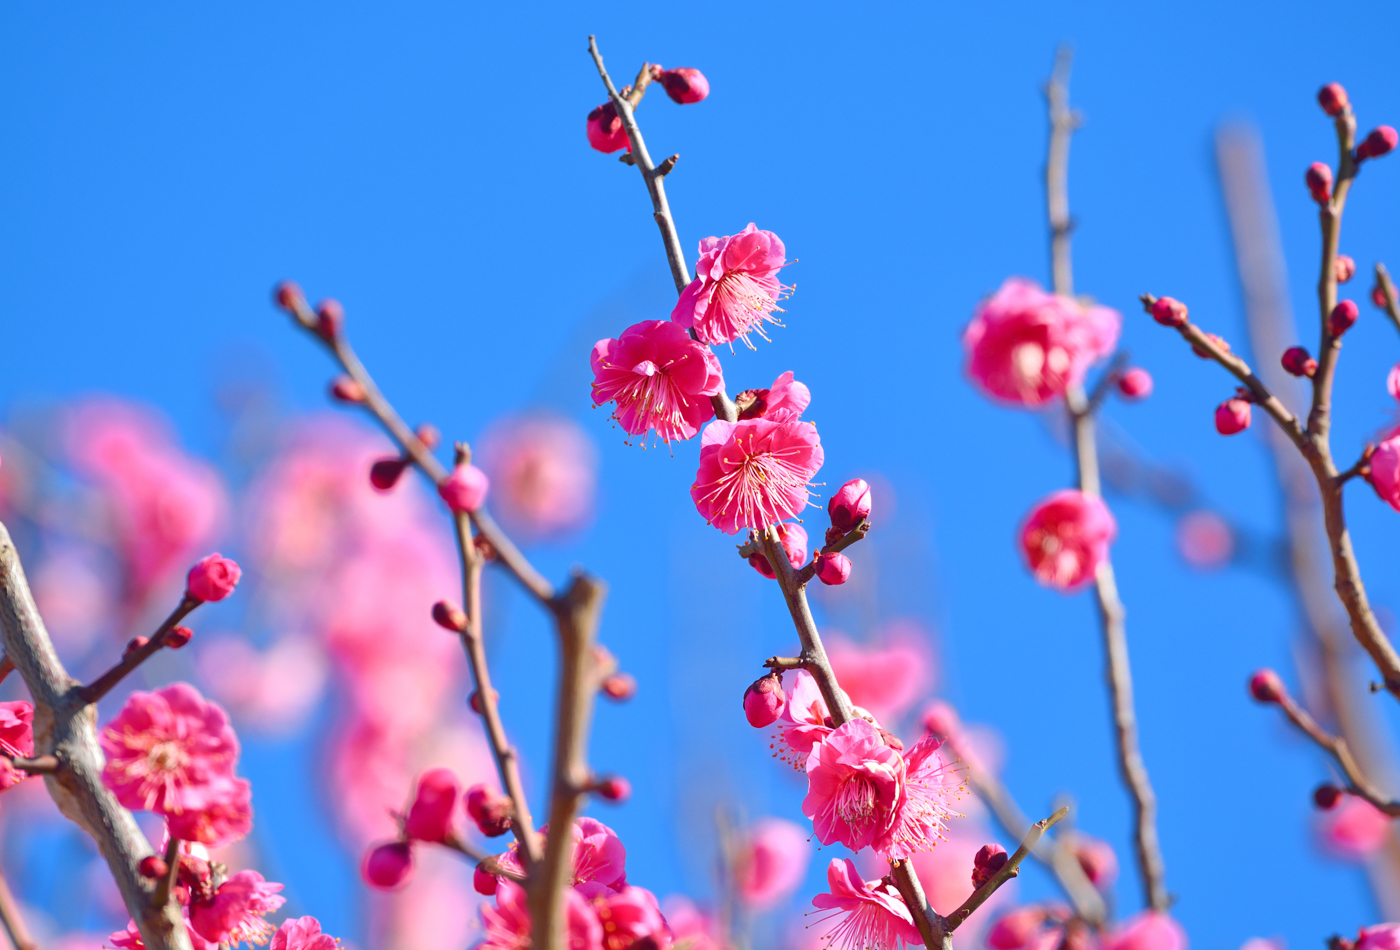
274,690
1354,828
236,912
771,862
1205,540
692,926
1147,931
543,471
887,679
73,598
1066,537
1385,471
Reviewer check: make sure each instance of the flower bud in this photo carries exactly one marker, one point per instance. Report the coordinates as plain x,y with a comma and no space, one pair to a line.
1266,687
1020,928
388,866
346,389
1378,297
1342,317
1344,268
330,318
475,700
177,637
1297,362
1136,383
1096,859
1327,796
1232,416
434,802
490,811
990,859
1381,140
1319,181
213,578
620,686
764,701
1218,341
465,489
685,85
193,872
614,789
153,867
850,505
134,644
449,616
941,719
605,131
1169,312
890,739
483,881
429,435
289,296
833,569
1332,97
793,538
384,474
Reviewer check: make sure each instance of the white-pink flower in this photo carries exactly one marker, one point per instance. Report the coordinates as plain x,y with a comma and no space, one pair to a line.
855,786
867,915
736,287
756,472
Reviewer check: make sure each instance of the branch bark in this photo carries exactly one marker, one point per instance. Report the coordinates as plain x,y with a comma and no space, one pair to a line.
12,920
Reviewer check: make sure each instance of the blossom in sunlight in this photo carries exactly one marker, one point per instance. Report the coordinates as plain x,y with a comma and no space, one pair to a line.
1378,937
804,720
793,538
736,288
631,918
931,784
1385,470
1149,930
302,933
1065,538
658,378
544,472
1027,346
169,751
599,862
771,862
855,786
784,401
865,915
507,924
755,473
235,913
226,816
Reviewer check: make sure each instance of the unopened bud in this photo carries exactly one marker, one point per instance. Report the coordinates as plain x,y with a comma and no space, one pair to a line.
384,474
1326,797
1378,143
614,789
153,867
850,505
388,866
483,881
429,435
1266,687
134,644
465,489
1342,317
177,637
1096,859
289,296
684,85
764,701
449,616
941,719
1218,341
1136,383
1378,297
1298,362
1319,181
330,318
605,130
1332,97
1169,312
1344,268
1232,416
489,810
990,859
833,569
346,389
751,403
620,686
475,700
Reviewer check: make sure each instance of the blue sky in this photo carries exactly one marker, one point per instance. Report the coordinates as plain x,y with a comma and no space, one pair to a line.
426,164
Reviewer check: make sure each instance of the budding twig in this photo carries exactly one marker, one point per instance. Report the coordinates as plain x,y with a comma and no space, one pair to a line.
1330,217
12,920
1007,872
809,570
1107,381
1338,748
103,684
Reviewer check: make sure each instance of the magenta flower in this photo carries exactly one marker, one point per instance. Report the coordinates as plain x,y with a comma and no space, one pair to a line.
793,538
1028,928
599,864
16,738
388,866
1147,931
855,786
659,378
870,915
631,918
755,473
931,782
169,751
213,578
226,817
805,720
1354,829
736,287
235,912
1385,470
1065,538
507,925
302,933
772,862
1378,937
605,130
1026,346
784,401
465,489
434,804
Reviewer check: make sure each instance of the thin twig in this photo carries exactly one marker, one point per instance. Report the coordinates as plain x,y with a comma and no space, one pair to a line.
13,920
1392,300
38,765
809,570
1337,747
103,684
1107,380
1330,218
166,886
1009,870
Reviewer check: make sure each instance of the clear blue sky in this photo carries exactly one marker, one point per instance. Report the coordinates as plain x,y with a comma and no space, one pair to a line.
426,164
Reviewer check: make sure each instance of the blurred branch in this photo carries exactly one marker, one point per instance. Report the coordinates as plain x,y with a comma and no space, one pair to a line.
1387,286
1337,747
12,920
103,684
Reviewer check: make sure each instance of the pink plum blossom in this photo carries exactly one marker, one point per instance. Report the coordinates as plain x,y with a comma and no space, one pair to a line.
805,720
1385,471
1204,539
755,473
599,862
507,924
658,378
855,786
130,938
771,863
849,506
1147,931
434,804
931,784
1378,937
868,915
784,401
1354,828
736,287
1392,382
16,738
692,927
885,679
544,469
1029,928
793,538
227,816
235,912
631,918
302,933
764,700
1065,538
213,578
1027,346
169,751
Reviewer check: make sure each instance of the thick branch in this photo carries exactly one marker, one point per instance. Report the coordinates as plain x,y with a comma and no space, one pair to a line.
103,684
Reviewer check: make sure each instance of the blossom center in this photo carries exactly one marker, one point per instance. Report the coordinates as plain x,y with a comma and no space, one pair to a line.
167,757
855,802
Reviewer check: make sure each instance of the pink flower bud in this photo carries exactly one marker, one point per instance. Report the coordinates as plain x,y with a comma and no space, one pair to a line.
1344,267
615,789
1342,317
134,644
1218,341
941,719
1169,312
1232,416
213,578
850,505
620,686
1381,140
330,318
389,866
1319,181
990,859
1266,687
1297,362
177,637
384,474
794,540
833,569
1332,97
483,881
605,131
345,389
1326,797
764,701
1016,930
153,867
489,810
1096,859
430,815
685,85
1378,297
449,616
289,296
465,489
1136,383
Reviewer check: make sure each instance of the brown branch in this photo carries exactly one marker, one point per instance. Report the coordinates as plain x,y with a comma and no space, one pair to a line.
1007,872
1392,300
809,570
1330,218
103,684
785,663
6,667
166,885
1337,747
1107,380
661,208
39,765
1063,122
13,920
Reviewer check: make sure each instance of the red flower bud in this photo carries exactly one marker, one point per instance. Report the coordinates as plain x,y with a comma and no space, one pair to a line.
620,686
1297,362
605,131
134,644
1232,416
1319,181
384,474
289,296
330,318
434,801
685,85
153,867
1136,383
213,578
449,616
483,881
990,859
1344,268
1218,341
833,569
764,701
1381,140
941,719
177,637
1326,797
1266,687
489,810
388,866
346,389
1342,317
615,789
465,489
850,505
1169,312
1332,97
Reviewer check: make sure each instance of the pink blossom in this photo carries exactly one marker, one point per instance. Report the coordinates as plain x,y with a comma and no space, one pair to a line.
1392,381
272,690
755,473
1026,346
691,927
1355,828
227,816
849,506
1385,471
631,918
434,804
1147,931
465,489
771,863
1378,937
1097,858
764,700
1065,538
855,786
870,915
805,720
213,578
169,751
302,933
931,783
659,379
885,679
599,862
130,938
784,401
544,469
17,728
507,924
605,131
1204,539
736,287
234,913
1028,928
793,538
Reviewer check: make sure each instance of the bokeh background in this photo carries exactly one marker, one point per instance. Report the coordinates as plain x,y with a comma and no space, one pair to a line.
426,165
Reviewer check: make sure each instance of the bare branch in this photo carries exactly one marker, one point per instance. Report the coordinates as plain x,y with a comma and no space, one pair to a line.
103,684
1392,299
39,765
12,920
1337,747
1330,218
1007,872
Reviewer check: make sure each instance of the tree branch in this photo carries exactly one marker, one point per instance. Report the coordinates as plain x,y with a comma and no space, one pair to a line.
1392,300
1337,747
103,684
1007,872
12,920
1330,218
